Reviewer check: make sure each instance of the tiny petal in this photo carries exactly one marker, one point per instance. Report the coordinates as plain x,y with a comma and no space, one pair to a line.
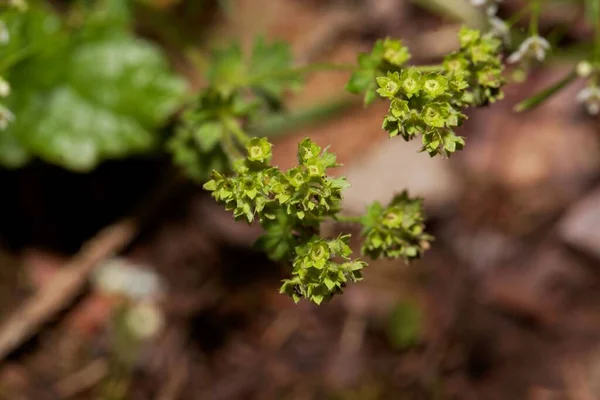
534,47
491,6
515,57
500,29
590,97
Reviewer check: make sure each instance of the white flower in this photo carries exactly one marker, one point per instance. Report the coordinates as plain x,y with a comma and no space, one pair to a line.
500,29
4,33
584,69
6,117
534,47
144,320
590,97
121,277
491,6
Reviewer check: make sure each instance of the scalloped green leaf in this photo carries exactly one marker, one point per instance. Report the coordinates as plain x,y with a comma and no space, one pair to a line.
82,97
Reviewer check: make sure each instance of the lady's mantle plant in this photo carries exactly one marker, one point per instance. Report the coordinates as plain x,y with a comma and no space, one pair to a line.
62,101
292,204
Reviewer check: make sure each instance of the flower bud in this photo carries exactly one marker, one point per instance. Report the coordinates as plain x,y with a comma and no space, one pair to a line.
584,69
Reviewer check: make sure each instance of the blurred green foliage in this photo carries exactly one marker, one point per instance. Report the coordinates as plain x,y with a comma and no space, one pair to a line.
242,89
84,88
405,325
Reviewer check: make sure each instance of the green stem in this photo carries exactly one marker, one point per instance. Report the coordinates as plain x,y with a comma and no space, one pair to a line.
306,69
545,94
595,11
282,123
348,219
516,17
428,68
230,148
535,16
234,127
299,71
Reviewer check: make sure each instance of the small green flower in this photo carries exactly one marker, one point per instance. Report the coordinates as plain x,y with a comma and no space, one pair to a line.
457,82
307,150
434,115
397,230
410,82
296,177
389,86
315,168
434,85
476,69
399,109
456,62
491,77
259,150
480,54
468,37
395,52
315,275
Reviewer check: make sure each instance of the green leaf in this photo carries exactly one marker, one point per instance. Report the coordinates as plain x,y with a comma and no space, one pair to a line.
208,135
329,283
81,98
317,299
226,66
210,185
272,63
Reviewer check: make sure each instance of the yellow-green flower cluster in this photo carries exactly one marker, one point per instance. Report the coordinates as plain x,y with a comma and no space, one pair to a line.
290,205
478,62
257,189
422,103
316,275
397,230
387,55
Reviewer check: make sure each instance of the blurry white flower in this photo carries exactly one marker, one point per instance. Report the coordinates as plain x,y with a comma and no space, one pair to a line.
584,69
590,97
144,320
534,47
120,276
500,29
4,33
6,117
4,87
491,6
